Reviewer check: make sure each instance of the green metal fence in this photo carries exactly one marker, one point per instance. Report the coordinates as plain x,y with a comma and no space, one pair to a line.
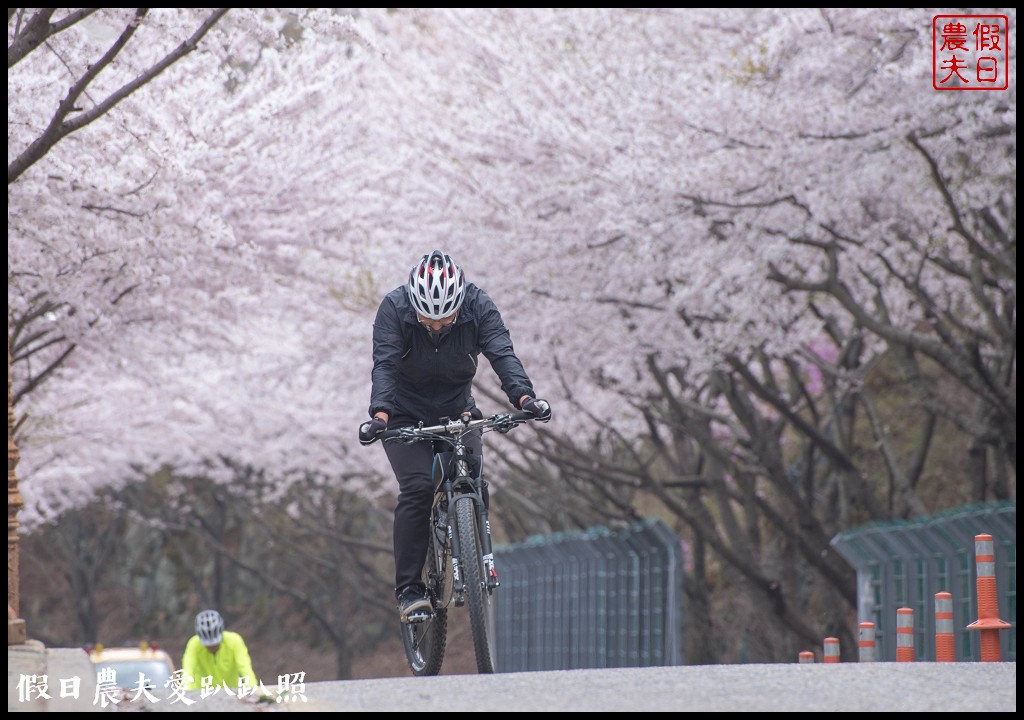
591,599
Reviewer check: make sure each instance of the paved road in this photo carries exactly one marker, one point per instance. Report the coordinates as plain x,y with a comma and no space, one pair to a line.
793,687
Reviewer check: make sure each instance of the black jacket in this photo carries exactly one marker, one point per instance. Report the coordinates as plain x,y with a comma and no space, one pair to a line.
414,379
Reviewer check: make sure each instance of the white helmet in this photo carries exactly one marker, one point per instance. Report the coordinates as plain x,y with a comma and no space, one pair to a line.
436,286
209,627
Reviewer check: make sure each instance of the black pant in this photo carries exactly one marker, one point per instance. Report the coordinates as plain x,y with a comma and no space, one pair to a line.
412,465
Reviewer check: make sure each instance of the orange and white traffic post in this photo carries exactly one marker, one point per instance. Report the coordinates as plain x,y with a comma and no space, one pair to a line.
988,621
945,644
867,642
905,634
806,656
831,650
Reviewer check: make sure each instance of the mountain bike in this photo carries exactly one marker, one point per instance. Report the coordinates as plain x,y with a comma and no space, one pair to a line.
459,569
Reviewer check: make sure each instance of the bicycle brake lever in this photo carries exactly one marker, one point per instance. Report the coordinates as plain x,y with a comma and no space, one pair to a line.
504,423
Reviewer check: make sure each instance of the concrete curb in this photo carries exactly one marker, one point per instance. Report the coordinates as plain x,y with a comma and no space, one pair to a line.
26,659
65,675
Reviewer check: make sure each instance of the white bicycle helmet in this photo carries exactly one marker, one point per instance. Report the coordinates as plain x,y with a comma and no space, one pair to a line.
436,286
209,627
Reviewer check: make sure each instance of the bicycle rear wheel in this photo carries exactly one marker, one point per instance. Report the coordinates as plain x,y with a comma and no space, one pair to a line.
479,599
425,641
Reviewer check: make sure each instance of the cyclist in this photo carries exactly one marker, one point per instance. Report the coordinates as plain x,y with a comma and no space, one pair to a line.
427,337
218,654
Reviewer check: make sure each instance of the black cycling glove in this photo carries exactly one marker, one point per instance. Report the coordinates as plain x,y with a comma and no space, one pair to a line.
540,409
369,430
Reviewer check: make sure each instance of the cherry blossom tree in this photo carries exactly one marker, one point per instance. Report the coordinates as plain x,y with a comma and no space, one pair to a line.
150,247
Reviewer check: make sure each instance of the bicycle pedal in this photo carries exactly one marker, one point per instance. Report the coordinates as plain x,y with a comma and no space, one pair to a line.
418,616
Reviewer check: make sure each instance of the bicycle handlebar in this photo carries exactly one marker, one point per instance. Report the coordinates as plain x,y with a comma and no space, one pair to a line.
456,427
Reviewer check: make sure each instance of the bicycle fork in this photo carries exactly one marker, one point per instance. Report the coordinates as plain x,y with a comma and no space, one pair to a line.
490,572
486,551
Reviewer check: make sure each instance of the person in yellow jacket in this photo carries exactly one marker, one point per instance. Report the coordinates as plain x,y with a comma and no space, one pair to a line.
216,653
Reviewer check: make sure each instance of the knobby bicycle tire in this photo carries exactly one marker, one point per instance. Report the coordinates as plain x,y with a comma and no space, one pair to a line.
479,600
425,641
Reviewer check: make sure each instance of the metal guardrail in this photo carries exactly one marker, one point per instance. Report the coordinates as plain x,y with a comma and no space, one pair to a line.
904,564
591,599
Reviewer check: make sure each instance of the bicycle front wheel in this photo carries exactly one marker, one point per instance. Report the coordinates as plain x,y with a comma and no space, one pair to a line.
479,598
